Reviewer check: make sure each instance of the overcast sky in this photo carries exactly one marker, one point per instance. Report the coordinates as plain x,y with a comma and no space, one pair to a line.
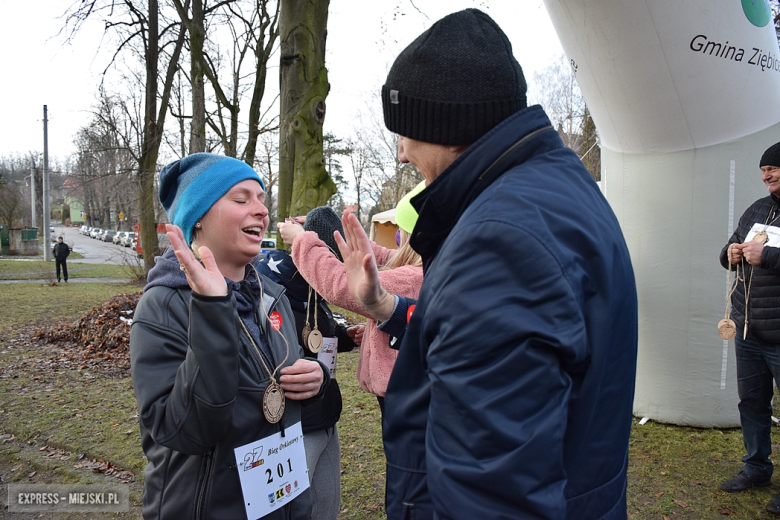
364,37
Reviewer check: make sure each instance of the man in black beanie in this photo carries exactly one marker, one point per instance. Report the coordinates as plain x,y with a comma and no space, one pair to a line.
754,249
512,393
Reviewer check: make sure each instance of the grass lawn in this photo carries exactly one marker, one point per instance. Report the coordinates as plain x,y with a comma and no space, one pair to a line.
674,473
57,423
53,416
40,270
32,303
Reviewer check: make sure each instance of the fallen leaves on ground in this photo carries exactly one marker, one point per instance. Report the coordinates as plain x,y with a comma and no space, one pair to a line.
99,340
93,465
106,468
104,328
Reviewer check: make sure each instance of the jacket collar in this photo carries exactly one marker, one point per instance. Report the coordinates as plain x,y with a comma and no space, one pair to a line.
441,204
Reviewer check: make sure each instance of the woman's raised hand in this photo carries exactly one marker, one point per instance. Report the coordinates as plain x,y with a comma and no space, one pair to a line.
362,273
206,279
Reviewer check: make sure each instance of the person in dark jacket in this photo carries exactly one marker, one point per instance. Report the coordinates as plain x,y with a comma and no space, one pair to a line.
217,370
512,393
321,438
754,252
61,251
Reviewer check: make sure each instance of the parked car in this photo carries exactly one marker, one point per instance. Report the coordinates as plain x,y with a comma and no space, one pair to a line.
268,244
83,229
108,235
128,239
118,237
95,232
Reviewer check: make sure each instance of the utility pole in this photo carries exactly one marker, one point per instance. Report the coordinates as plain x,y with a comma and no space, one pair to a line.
32,196
46,214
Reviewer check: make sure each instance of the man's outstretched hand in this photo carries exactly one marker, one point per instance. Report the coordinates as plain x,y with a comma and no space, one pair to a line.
362,272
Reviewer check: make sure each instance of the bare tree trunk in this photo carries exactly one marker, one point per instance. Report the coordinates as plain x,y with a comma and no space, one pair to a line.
153,129
270,174
262,53
197,38
149,149
303,180
180,107
197,30
38,195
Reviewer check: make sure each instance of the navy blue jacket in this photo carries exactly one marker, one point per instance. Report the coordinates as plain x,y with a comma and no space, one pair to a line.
512,393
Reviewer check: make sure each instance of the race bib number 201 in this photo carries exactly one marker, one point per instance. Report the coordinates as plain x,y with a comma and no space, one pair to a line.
272,471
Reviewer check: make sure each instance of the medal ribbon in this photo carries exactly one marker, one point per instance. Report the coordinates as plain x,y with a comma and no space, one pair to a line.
272,375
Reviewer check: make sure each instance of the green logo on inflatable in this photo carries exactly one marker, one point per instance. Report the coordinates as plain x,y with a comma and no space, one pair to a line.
757,11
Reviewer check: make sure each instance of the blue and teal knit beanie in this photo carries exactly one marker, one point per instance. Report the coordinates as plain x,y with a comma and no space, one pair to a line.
190,186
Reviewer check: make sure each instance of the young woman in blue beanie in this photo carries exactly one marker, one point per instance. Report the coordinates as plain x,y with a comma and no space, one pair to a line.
217,370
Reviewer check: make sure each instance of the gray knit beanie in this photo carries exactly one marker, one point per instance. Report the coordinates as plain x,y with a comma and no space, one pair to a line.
455,82
771,157
324,222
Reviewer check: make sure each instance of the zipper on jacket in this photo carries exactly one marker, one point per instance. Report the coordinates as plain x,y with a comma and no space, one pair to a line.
201,496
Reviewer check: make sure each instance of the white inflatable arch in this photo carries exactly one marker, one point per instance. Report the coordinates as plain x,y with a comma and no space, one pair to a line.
686,98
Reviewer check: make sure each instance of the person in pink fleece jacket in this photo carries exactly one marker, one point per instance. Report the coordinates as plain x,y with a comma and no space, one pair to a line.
326,274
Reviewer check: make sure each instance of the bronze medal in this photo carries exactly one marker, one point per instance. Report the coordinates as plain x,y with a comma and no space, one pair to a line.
727,329
273,402
761,237
315,341
305,334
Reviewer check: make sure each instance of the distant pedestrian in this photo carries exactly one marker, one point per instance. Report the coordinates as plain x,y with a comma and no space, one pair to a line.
61,251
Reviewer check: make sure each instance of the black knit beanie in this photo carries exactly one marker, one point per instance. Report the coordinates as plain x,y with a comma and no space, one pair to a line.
324,222
771,157
455,82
